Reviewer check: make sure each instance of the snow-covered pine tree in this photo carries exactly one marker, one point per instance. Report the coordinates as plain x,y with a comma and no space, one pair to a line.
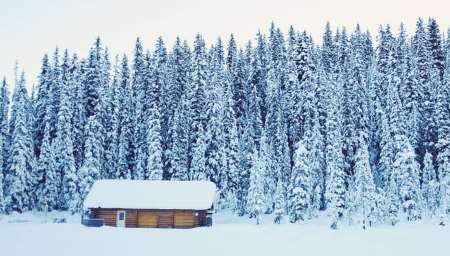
54,94
280,202
404,163
365,187
46,175
2,195
317,166
392,203
106,115
276,129
422,57
196,95
4,109
19,175
255,202
430,188
387,151
125,148
258,76
93,78
214,91
270,174
79,112
235,67
154,161
385,64
437,55
165,97
250,128
90,170
335,179
111,123
140,108
177,80
95,82
41,103
66,173
198,163
443,145
299,195
411,91
407,169
230,149
179,69
328,57
179,150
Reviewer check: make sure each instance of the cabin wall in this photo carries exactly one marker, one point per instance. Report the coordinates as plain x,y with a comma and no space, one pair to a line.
153,218
109,216
131,218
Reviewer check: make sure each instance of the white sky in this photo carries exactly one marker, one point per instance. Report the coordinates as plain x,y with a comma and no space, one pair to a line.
30,28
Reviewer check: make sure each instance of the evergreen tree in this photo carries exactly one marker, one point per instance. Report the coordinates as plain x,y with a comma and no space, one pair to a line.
429,186
154,164
335,181
255,191
4,109
54,93
365,187
198,163
90,170
111,123
405,166
214,111
301,187
2,196
42,102
63,145
19,178
79,112
178,74
328,49
47,176
424,69
139,113
180,141
230,149
196,94
125,146
435,47
93,78
279,211
443,145
393,198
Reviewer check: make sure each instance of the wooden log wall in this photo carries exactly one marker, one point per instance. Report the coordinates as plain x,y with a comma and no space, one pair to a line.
153,218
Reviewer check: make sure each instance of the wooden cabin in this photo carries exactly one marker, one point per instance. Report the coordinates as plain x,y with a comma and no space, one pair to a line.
151,204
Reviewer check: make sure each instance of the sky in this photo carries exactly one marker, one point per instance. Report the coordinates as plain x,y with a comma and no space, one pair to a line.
31,28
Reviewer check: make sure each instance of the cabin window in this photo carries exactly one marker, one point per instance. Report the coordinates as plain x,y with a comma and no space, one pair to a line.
121,216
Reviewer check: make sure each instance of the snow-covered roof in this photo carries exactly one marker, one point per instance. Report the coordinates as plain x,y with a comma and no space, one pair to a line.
146,194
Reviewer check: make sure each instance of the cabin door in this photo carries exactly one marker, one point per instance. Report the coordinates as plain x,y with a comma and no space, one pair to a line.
121,216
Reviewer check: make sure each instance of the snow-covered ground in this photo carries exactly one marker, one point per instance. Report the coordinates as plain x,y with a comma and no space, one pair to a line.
26,234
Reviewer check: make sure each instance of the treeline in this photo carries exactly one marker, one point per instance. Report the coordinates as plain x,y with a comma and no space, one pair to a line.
281,125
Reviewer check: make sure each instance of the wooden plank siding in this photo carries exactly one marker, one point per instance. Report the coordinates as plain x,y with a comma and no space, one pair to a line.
131,218
109,216
153,218
185,219
147,219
